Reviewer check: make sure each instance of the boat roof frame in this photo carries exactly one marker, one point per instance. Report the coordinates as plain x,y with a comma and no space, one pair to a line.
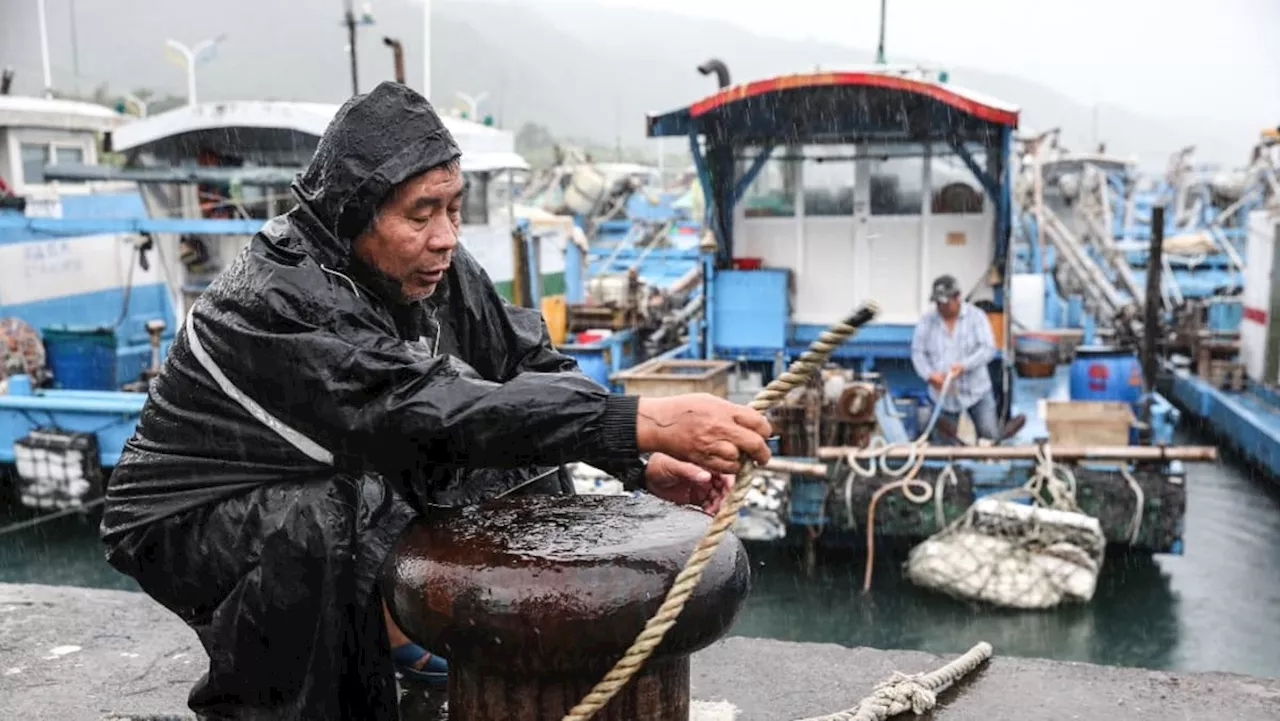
277,120
885,107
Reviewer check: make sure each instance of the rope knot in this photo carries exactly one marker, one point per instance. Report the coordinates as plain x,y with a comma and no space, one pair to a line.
905,691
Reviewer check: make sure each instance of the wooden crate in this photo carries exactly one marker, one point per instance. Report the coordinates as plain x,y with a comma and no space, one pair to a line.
1227,375
1088,423
660,378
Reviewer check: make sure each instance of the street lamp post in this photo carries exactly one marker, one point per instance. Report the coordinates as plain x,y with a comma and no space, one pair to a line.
139,102
201,53
473,104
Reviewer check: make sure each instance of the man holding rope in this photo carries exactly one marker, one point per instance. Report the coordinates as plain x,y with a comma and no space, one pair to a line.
353,368
950,350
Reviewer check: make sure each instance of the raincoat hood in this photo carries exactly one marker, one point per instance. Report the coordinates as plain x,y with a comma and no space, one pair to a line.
354,170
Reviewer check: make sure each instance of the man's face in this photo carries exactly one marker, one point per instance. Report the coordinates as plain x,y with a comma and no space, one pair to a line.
950,307
413,236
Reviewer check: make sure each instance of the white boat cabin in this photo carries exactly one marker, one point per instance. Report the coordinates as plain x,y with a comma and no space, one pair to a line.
37,132
258,146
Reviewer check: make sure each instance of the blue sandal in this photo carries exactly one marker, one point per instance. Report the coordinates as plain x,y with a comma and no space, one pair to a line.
434,673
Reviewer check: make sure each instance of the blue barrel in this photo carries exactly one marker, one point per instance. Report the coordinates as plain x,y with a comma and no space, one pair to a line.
82,359
1103,373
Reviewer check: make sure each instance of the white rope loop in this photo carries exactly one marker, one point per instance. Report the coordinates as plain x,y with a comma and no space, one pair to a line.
811,361
917,693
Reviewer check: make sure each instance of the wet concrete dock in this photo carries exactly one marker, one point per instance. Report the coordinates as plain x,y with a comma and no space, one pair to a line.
72,653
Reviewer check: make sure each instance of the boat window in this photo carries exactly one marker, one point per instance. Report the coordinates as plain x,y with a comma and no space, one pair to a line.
828,180
475,204
896,185
34,157
953,188
500,197
772,194
68,155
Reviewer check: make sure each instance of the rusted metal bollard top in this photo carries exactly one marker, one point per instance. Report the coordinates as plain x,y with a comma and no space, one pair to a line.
533,599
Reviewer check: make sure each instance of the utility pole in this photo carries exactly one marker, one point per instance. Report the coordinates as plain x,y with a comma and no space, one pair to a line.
473,104
351,44
880,60
352,21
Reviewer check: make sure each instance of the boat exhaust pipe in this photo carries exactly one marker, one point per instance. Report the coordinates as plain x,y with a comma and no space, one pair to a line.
6,80
717,66
397,53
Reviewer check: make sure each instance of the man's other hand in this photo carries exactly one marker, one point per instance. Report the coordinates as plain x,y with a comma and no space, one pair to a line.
685,483
957,369
936,380
704,430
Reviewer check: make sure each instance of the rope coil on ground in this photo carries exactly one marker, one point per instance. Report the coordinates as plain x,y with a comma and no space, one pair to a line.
917,693
811,361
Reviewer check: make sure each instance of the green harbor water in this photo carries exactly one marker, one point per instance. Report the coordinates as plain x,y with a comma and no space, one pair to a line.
1212,609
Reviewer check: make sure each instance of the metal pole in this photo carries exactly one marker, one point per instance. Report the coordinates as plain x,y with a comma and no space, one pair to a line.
1151,324
1193,454
351,42
880,60
426,49
397,55
44,50
75,48
191,79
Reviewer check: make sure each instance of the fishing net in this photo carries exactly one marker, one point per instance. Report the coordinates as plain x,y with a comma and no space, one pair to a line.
1016,555
21,351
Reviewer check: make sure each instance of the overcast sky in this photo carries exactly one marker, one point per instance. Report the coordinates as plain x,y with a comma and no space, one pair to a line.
1190,56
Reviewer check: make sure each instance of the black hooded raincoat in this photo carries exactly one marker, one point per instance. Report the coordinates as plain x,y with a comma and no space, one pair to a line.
304,415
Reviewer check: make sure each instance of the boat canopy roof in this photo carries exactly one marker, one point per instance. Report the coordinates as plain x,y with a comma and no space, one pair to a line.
839,107
270,132
18,111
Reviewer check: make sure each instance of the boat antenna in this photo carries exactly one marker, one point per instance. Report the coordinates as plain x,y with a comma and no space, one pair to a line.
880,59
717,66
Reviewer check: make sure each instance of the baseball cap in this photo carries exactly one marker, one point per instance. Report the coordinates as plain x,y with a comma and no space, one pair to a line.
944,288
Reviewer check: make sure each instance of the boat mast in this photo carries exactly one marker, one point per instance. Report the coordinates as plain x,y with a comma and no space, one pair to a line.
880,60
44,50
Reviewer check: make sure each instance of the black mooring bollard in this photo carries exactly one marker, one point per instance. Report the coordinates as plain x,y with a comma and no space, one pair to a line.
533,599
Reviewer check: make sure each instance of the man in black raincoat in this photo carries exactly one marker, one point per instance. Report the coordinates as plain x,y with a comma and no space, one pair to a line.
353,366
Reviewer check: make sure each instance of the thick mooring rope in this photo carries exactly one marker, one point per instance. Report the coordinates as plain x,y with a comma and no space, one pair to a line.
656,628
917,693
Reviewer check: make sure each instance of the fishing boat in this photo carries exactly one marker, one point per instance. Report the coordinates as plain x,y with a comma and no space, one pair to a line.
1221,367
1086,226
829,189
84,309
235,160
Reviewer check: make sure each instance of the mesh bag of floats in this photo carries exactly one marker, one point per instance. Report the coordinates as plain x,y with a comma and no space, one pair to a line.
1012,554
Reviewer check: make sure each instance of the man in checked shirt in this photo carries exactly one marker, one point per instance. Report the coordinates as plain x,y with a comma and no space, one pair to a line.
955,339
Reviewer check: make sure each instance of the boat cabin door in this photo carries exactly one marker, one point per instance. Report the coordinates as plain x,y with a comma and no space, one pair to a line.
890,216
